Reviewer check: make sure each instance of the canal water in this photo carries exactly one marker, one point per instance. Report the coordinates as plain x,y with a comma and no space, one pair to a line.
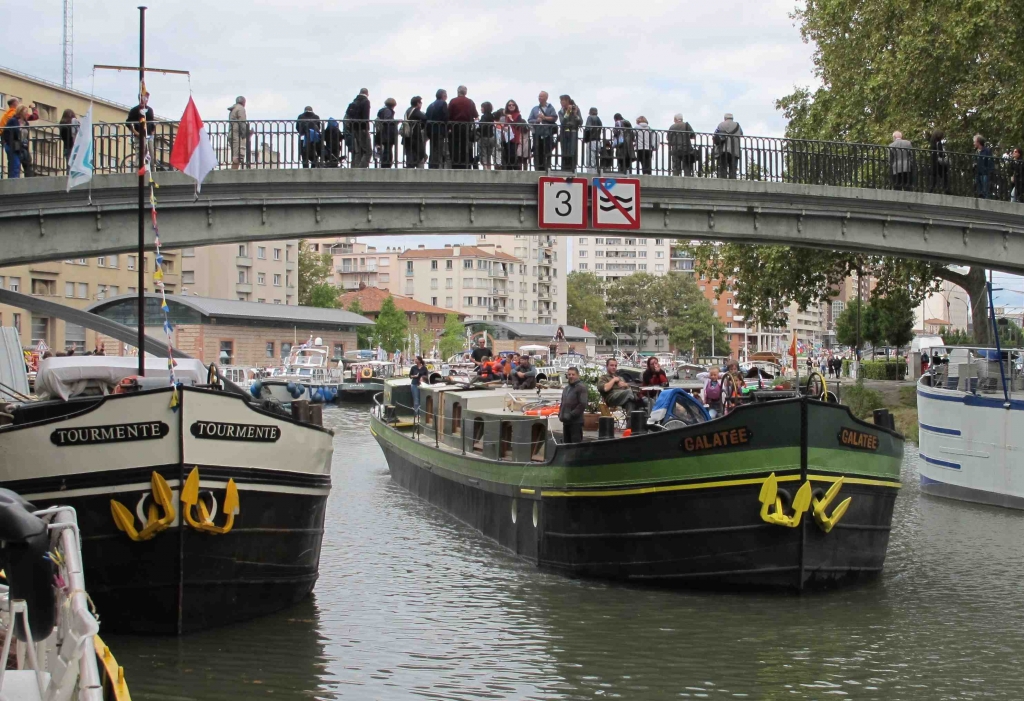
412,603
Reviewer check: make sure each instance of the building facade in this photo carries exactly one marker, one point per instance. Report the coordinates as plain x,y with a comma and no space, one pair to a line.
949,307
230,332
77,283
266,271
356,264
536,291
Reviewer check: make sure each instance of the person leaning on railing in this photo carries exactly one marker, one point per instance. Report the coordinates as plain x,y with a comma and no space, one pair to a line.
592,137
984,164
15,139
309,126
1016,175
238,132
68,130
437,130
624,141
939,161
462,114
680,146
385,133
486,137
413,140
901,162
572,120
357,124
727,146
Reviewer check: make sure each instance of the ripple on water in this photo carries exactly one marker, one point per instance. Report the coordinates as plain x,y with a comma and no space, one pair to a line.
411,602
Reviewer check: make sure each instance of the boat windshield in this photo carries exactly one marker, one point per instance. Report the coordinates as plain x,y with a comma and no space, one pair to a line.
974,369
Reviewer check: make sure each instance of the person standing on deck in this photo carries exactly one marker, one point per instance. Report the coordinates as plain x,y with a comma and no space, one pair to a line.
572,407
417,373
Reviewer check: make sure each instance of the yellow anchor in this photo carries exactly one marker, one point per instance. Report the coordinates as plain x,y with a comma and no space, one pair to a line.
190,498
125,520
827,522
770,496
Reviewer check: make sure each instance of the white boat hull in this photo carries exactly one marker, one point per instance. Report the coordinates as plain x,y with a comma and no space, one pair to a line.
971,446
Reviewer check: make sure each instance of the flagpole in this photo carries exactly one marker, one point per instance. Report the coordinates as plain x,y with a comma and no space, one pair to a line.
141,262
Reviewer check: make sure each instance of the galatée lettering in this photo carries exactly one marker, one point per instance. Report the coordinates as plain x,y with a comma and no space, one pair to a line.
858,439
719,439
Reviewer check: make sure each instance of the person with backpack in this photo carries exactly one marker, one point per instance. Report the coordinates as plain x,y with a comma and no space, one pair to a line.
713,394
411,131
386,133
309,127
332,144
357,129
592,137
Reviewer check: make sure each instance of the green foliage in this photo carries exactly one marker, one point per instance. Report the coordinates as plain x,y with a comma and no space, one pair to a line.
686,316
324,295
959,337
363,333
1010,334
885,65
453,338
846,324
584,295
895,318
883,370
632,304
862,400
391,326
314,270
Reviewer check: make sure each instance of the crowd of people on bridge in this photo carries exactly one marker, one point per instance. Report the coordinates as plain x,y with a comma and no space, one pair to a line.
458,134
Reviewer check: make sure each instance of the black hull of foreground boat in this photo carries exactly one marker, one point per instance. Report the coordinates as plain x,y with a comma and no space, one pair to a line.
183,580
700,524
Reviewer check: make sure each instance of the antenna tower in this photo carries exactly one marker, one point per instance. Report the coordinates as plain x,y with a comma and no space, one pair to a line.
69,43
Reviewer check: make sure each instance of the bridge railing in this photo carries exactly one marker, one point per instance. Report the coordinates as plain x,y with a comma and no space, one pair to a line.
278,144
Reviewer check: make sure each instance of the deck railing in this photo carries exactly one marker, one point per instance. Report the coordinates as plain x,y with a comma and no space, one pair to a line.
280,144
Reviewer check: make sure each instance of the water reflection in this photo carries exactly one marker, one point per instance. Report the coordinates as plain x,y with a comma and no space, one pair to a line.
413,603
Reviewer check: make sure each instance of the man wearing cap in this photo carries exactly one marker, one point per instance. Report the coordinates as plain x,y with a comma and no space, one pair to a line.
727,146
238,134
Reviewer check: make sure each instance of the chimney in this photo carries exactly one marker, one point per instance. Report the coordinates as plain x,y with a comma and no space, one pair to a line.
447,245
421,246
455,251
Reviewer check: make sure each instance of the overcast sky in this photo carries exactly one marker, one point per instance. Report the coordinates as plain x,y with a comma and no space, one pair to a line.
653,58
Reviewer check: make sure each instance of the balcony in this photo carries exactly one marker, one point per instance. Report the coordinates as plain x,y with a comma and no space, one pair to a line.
497,309
243,261
50,268
289,265
498,271
245,287
543,278
499,292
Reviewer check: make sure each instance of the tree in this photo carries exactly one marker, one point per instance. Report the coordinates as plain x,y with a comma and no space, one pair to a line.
324,295
314,270
846,325
391,326
896,318
885,65
1010,334
872,329
632,304
453,338
584,295
363,333
687,317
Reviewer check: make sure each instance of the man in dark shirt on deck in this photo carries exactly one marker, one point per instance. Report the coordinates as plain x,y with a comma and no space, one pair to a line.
572,407
480,352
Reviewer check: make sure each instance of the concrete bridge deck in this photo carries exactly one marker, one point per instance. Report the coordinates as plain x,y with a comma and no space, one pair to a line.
40,221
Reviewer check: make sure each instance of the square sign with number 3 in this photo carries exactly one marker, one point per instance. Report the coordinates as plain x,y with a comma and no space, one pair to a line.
562,203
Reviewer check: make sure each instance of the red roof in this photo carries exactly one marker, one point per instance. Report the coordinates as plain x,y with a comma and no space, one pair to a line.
464,252
371,299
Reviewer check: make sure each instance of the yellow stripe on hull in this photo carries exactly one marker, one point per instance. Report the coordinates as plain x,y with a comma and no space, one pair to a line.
711,485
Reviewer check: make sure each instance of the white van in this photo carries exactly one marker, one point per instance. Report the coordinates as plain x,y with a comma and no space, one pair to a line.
922,344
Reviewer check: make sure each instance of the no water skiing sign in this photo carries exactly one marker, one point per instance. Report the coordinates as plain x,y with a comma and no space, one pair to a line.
616,203
563,203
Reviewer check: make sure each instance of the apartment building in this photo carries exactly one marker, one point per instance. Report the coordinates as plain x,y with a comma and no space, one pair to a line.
264,271
77,283
613,257
949,307
470,280
843,294
356,264
537,283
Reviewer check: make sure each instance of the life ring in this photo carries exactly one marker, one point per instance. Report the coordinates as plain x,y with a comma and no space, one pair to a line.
366,373
542,411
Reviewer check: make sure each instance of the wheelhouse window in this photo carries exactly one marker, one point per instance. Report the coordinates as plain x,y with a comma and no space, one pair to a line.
478,434
456,426
538,442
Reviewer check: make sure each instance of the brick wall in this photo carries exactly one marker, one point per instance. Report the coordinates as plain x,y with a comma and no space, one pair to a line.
250,343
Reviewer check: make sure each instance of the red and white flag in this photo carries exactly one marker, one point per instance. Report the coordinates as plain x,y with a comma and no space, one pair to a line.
193,154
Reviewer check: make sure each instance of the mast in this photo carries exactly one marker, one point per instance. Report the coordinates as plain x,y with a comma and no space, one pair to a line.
141,262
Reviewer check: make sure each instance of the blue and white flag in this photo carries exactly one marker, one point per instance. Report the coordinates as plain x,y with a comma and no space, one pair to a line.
80,161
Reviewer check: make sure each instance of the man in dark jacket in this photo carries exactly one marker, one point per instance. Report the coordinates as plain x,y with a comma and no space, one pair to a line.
680,146
545,120
727,146
332,144
437,130
573,406
357,123
462,113
386,133
309,127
